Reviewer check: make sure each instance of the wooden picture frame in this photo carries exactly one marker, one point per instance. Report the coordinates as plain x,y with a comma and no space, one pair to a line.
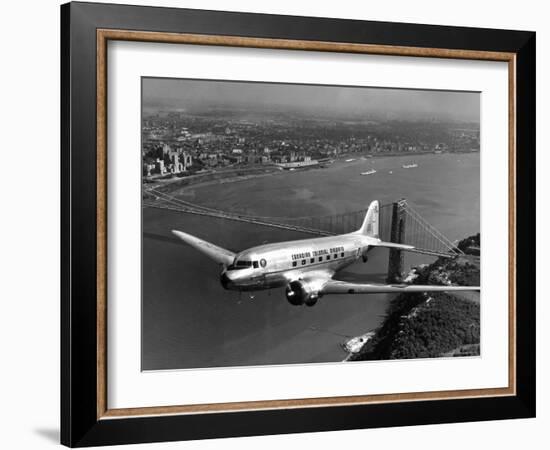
86,418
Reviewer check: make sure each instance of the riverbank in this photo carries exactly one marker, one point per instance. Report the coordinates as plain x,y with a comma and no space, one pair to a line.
181,183
429,325
169,185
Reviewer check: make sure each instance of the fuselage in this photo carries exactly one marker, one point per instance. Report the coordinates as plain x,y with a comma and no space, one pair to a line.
274,265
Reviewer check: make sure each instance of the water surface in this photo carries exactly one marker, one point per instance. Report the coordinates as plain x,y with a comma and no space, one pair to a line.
189,321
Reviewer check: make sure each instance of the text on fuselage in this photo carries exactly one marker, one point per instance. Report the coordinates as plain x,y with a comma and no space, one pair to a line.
324,251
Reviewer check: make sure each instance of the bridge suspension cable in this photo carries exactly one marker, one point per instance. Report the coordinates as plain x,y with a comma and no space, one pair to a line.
430,232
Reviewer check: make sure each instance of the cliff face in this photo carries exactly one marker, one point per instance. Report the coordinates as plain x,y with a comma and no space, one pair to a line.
432,324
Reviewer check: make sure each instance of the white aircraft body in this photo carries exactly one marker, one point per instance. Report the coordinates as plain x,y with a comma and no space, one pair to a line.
307,267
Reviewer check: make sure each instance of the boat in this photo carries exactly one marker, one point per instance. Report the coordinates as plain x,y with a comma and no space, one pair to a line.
368,172
410,166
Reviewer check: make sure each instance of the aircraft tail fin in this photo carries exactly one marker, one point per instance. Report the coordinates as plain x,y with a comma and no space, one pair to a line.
370,225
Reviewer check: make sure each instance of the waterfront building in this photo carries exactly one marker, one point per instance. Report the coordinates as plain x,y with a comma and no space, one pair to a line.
187,160
159,167
148,169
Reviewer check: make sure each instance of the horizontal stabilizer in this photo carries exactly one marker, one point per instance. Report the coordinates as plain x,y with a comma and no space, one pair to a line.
392,245
218,254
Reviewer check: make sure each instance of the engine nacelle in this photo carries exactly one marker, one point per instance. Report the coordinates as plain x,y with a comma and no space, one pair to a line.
301,292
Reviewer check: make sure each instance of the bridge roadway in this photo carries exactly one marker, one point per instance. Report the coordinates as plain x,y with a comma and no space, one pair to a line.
193,206
239,218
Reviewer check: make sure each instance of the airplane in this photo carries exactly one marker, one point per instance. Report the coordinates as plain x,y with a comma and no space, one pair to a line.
306,267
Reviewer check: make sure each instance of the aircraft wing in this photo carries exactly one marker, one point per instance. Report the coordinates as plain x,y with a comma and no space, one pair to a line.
343,287
218,254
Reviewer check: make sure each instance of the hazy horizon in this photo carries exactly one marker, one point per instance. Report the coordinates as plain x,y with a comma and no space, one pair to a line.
190,94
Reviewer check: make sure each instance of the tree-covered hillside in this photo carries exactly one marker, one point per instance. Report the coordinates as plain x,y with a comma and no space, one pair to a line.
428,325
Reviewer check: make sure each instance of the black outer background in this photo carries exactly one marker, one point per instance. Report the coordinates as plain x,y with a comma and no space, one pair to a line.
79,426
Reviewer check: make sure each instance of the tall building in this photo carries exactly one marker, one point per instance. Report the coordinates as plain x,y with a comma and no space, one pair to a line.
159,167
176,166
184,160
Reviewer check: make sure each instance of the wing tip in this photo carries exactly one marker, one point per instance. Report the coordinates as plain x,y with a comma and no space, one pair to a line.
181,235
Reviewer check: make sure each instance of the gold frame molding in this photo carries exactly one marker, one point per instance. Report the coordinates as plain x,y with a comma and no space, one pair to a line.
105,35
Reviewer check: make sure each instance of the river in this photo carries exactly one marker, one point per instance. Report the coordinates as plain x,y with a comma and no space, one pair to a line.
189,321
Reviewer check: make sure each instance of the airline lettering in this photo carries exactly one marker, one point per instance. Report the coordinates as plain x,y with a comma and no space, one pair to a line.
321,252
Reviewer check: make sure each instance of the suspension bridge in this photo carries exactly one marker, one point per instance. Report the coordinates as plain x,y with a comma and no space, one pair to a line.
398,222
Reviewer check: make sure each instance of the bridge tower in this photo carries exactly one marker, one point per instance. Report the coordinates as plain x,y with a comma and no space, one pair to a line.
396,258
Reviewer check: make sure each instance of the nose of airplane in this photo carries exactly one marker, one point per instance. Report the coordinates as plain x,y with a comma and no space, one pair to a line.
225,280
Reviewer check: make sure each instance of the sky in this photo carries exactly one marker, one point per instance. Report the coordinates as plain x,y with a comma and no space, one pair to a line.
186,94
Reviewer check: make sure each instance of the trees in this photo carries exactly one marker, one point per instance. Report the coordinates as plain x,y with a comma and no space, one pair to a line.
430,325
427,330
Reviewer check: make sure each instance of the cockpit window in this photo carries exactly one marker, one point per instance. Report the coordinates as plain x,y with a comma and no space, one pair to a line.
241,264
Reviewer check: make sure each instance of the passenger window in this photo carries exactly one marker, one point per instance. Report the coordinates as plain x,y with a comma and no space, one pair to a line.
303,262
328,257
255,264
342,254
335,255
312,260
294,263
320,258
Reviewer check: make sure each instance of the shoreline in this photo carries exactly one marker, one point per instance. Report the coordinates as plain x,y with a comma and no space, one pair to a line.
181,184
